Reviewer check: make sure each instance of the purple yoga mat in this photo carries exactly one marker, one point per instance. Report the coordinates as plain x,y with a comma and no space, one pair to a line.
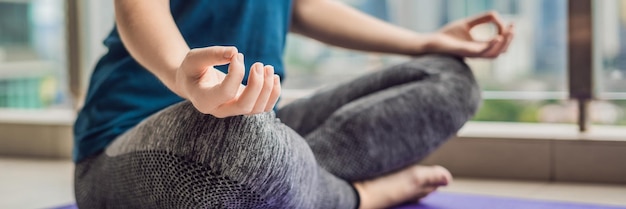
445,200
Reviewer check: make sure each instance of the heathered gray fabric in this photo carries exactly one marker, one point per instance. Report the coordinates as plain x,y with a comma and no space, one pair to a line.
272,166
387,120
180,158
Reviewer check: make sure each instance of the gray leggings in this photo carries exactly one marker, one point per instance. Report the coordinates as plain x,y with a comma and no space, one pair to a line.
304,156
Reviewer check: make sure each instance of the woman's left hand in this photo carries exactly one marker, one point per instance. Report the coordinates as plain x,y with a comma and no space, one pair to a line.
455,38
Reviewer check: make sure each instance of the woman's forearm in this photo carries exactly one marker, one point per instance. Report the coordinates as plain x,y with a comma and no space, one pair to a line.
337,24
150,34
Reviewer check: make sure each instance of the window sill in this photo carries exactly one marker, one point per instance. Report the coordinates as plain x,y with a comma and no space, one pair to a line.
545,152
63,117
545,131
36,133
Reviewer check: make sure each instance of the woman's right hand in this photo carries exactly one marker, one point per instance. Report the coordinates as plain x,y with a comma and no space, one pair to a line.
455,38
222,95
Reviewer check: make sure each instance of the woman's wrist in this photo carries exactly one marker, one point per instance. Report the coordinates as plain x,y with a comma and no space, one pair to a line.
421,43
172,77
430,43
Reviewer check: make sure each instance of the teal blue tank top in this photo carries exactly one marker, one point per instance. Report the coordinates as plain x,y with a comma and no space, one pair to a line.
122,93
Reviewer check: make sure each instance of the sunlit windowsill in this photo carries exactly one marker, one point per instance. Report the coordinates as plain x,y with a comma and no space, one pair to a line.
546,131
38,116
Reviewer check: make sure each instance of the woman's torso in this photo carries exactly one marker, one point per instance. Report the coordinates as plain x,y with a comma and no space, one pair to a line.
122,93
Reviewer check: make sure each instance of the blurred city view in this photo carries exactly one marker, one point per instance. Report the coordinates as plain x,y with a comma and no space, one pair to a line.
32,54
527,84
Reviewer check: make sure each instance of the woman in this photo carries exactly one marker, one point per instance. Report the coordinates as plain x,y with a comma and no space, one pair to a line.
166,125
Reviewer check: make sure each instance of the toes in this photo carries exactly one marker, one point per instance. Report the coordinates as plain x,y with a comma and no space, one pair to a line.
444,177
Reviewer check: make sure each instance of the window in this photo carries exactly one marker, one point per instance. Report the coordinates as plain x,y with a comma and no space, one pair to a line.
610,58
527,84
32,55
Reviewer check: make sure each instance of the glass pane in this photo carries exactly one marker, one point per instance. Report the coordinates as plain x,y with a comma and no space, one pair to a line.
529,78
32,54
610,57
607,112
311,64
527,111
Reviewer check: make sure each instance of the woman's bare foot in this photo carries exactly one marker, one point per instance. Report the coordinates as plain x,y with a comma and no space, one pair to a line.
409,184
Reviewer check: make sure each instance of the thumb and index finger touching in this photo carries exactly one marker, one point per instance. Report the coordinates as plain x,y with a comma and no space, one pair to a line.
201,60
499,43
489,17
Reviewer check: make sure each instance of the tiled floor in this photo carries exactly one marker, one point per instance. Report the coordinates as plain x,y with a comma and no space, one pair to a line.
32,184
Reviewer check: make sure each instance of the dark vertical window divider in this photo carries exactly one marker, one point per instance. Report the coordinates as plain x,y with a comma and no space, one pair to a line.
580,57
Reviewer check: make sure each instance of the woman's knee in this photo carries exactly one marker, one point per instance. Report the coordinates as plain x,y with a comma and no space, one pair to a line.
256,150
452,79
261,153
